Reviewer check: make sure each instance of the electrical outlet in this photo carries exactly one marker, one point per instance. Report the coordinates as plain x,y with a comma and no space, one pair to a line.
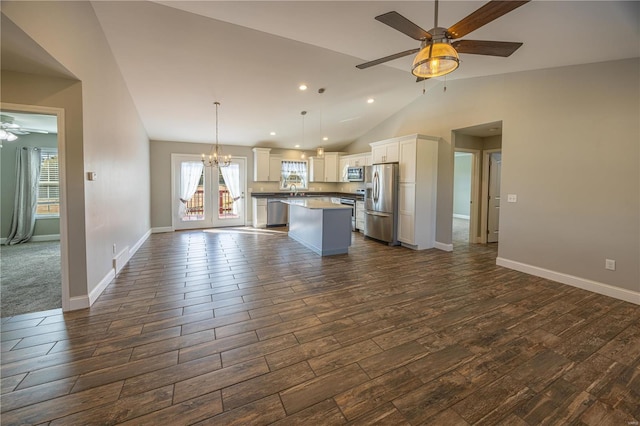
512,198
610,264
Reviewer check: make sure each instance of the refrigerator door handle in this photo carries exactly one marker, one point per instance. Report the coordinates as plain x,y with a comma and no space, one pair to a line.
376,186
377,214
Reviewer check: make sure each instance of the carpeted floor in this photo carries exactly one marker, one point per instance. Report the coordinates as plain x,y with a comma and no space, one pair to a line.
30,278
460,230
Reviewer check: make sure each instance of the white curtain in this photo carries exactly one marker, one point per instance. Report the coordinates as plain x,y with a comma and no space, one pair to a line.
294,172
190,172
231,176
25,203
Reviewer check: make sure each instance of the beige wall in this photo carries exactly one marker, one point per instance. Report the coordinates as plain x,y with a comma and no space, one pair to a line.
570,152
106,135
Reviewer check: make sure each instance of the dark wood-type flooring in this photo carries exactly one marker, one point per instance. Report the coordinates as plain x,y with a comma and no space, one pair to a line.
249,327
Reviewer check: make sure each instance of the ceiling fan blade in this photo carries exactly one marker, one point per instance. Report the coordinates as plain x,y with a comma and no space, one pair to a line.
419,79
490,48
387,58
405,26
487,13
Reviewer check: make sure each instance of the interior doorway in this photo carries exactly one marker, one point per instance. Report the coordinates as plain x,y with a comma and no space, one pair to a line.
41,130
473,149
465,194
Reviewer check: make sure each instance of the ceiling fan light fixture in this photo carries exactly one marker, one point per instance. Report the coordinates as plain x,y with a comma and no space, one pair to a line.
7,136
435,59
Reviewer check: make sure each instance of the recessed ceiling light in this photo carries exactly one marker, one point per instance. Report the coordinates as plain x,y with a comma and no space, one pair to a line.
325,138
370,100
302,87
494,129
296,146
272,133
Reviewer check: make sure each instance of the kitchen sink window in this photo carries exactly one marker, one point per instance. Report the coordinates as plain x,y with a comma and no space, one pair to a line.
294,175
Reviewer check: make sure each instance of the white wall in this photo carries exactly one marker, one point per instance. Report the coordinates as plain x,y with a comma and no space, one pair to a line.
571,154
462,184
114,142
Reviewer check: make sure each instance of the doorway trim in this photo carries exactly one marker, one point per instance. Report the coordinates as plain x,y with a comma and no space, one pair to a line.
64,241
485,193
475,191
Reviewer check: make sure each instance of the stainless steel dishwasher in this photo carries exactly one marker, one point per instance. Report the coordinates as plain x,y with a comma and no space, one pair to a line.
277,212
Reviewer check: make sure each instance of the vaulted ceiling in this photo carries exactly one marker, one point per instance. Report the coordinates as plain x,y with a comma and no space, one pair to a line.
178,57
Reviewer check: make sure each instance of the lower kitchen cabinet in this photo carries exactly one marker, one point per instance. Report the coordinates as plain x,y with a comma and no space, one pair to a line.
360,215
259,212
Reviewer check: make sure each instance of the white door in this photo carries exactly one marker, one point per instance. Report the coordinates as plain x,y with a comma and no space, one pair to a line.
229,186
493,215
204,197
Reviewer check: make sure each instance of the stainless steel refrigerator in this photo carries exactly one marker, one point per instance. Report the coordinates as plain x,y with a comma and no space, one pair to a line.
381,203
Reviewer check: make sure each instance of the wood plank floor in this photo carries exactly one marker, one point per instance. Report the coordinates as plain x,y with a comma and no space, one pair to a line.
249,327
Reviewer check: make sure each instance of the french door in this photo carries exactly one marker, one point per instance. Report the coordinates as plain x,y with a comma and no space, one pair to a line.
204,197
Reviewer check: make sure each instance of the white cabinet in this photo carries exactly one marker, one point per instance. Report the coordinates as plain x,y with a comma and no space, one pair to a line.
418,158
259,212
384,152
360,216
261,164
344,163
406,213
331,166
316,169
275,168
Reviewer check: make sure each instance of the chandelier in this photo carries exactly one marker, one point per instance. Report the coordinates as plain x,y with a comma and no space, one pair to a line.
215,158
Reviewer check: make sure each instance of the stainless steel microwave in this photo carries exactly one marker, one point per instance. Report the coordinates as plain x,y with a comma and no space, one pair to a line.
357,174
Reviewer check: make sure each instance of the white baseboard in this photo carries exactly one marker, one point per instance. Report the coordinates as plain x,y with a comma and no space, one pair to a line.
119,261
161,229
104,282
462,216
585,284
79,302
443,246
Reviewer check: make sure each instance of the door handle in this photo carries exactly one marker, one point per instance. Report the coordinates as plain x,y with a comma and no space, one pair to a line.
377,214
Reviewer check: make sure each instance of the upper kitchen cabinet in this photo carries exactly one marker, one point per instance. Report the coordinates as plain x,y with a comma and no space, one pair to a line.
275,168
266,167
316,169
331,166
384,152
261,164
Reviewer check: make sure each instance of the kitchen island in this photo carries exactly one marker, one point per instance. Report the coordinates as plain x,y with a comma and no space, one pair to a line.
321,226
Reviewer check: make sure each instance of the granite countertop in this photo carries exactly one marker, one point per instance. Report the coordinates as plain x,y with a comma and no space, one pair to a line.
311,203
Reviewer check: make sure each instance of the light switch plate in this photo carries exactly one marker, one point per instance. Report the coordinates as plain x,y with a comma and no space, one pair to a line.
92,175
512,198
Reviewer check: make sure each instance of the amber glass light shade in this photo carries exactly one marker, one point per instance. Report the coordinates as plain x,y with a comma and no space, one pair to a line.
434,60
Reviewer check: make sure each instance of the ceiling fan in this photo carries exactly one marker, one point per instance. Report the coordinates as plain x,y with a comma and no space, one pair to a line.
437,55
9,130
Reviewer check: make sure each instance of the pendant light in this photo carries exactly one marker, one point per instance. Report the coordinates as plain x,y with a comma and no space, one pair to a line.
216,159
320,149
303,113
